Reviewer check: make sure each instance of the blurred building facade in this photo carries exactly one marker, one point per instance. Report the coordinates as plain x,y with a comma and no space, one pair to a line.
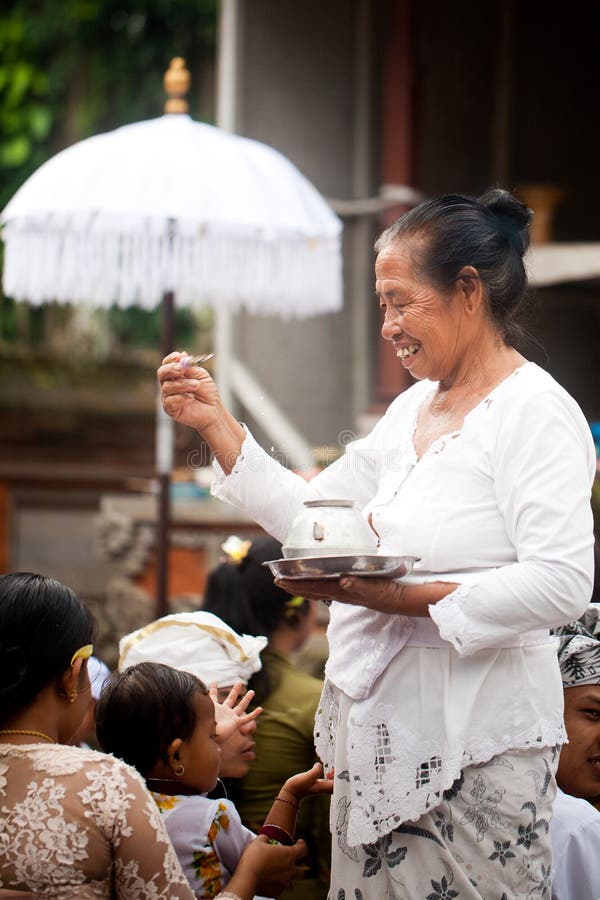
363,94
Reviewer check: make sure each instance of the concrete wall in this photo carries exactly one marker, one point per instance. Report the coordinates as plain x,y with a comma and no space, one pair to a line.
518,74
503,94
540,79
298,93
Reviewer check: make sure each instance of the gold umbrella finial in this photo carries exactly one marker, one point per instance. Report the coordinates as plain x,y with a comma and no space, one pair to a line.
176,82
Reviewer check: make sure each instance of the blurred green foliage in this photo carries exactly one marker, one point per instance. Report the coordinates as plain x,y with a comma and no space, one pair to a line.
73,68
28,327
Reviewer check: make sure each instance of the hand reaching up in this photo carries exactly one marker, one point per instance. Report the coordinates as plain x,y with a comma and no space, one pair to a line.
188,393
231,716
308,784
190,396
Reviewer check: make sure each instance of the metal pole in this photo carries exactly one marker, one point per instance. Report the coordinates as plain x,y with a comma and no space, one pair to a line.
501,120
226,115
164,465
361,230
176,82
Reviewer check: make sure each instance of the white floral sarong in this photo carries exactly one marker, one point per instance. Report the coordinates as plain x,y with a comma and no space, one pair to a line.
486,838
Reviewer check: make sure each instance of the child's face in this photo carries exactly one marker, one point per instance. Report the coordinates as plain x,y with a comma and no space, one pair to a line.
200,754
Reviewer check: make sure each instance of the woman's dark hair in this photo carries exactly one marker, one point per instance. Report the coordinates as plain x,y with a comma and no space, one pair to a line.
490,233
246,597
42,624
144,709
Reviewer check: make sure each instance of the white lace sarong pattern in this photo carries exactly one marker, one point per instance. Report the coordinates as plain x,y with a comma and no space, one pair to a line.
397,772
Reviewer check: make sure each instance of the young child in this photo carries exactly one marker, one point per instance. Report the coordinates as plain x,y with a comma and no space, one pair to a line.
162,721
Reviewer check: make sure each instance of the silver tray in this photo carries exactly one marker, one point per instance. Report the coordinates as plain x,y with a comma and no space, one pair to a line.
321,567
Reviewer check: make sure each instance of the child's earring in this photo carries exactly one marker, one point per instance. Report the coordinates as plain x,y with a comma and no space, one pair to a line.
179,771
72,696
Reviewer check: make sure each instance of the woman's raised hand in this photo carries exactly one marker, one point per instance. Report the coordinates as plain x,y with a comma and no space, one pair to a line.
190,396
188,393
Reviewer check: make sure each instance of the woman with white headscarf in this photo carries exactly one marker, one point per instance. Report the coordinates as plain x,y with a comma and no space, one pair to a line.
201,643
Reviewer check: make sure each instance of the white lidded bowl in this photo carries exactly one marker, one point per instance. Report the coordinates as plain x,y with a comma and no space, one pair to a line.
329,528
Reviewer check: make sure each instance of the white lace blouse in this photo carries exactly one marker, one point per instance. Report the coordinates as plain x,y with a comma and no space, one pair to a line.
501,507
76,823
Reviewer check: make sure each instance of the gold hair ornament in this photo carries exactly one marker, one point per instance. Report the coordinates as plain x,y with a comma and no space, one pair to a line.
235,549
83,653
292,606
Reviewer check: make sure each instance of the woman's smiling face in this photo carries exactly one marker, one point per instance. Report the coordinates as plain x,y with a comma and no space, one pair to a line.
424,325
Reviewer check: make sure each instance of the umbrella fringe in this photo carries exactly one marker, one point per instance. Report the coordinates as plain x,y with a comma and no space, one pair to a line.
291,276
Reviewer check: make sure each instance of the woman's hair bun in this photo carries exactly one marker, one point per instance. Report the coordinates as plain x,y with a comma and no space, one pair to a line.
513,215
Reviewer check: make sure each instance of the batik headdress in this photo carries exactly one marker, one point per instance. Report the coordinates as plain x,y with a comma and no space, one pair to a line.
579,649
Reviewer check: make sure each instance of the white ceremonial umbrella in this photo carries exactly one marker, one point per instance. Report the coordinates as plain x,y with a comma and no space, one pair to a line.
171,204
171,209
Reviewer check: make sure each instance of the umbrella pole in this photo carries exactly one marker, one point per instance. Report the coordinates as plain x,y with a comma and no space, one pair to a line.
164,466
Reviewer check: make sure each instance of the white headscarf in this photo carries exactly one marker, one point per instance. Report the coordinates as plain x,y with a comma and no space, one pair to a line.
196,642
98,672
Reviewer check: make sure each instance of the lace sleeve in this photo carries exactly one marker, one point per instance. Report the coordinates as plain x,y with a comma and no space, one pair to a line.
145,862
262,487
273,494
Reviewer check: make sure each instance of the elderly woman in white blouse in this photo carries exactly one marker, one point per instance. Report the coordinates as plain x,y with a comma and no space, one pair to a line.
442,707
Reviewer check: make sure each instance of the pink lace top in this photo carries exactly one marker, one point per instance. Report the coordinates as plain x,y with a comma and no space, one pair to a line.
76,823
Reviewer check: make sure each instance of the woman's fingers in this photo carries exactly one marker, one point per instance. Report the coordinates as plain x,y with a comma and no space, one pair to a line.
175,373
175,356
317,588
381,594
181,386
170,366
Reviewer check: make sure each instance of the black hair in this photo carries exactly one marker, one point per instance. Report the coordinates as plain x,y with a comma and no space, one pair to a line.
42,624
490,233
246,597
144,709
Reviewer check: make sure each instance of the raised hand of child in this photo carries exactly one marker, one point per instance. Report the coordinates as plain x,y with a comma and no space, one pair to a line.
230,715
280,824
307,784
